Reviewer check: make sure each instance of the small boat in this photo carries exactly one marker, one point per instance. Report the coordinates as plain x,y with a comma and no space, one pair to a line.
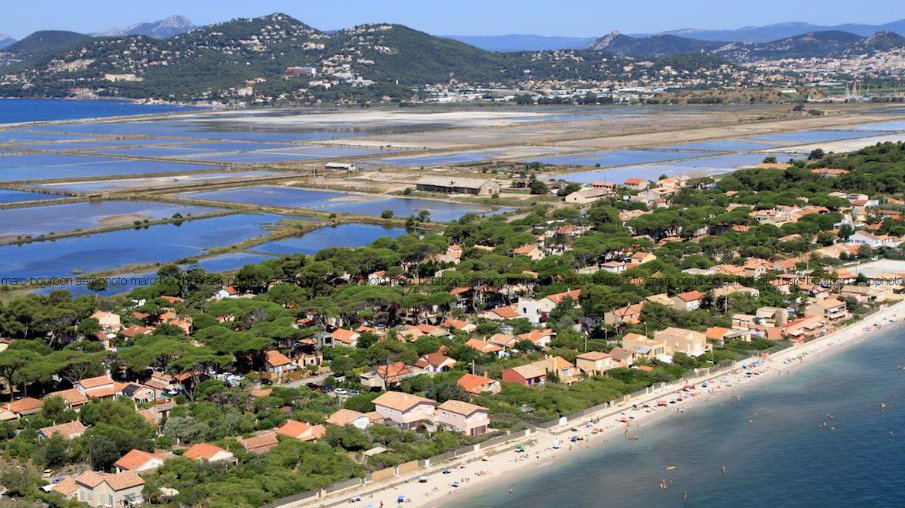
671,467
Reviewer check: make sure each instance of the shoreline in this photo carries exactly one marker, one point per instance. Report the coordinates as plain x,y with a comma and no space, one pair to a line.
502,464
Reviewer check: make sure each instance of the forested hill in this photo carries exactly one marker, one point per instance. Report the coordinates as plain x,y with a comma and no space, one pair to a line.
210,61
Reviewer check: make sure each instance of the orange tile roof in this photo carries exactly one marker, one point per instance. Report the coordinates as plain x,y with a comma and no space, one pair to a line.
507,312
344,417
459,407
483,346
67,430
401,401
95,382
202,451
134,460
25,405
472,383
260,441
66,487
690,296
301,430
277,359
124,480
558,298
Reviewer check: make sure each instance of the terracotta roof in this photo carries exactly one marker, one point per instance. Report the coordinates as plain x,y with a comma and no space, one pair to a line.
90,479
434,359
529,371
66,487
124,480
344,417
535,335
301,430
472,383
690,296
558,298
107,391
459,407
393,370
67,430
483,346
593,356
344,336
95,382
716,332
135,459
277,359
260,441
507,312
25,405
401,401
202,451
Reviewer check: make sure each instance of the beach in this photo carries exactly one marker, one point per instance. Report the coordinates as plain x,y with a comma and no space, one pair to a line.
499,467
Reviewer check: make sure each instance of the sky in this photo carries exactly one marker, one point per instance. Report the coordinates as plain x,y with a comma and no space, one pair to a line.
577,18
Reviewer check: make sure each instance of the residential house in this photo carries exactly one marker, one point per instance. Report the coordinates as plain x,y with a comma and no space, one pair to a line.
278,365
482,346
209,453
138,461
108,490
805,328
829,308
301,430
531,250
72,397
559,367
469,419
525,375
720,335
628,315
405,410
501,313
594,363
345,337
435,362
680,340
108,321
460,325
138,393
622,356
540,338
344,417
23,407
639,258
261,443
688,301
874,241
477,385
643,346
69,430
97,387
384,376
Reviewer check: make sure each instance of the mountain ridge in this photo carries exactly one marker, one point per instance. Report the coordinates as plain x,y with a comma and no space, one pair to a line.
161,29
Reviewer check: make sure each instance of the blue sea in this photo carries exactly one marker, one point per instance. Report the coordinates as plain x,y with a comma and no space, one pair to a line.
43,110
769,440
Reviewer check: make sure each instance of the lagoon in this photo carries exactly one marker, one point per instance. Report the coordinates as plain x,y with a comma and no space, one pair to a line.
106,251
615,158
63,166
64,218
344,235
14,196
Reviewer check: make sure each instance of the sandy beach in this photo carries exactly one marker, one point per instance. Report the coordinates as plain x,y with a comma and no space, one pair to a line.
496,466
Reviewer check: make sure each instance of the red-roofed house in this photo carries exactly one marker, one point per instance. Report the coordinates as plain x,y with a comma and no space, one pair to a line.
302,431
688,301
435,362
97,387
209,453
345,337
138,461
477,385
